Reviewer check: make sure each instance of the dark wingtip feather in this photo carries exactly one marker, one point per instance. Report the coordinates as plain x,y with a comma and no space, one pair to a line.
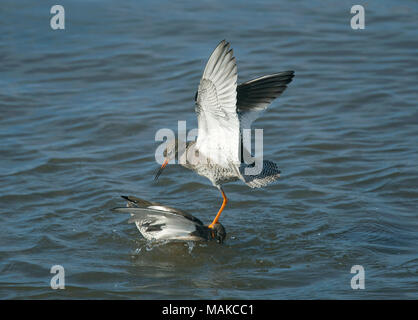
257,94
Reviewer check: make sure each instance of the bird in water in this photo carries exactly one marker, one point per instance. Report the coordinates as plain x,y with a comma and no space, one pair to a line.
158,222
224,111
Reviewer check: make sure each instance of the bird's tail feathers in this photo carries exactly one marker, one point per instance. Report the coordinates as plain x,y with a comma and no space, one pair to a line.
268,174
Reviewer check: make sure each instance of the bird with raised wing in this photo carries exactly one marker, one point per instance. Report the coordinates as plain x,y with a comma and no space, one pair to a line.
224,110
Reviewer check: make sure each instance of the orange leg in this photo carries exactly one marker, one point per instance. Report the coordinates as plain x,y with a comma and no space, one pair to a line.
220,210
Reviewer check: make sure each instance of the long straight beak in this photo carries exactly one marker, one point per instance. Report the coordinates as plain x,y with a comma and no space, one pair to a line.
160,170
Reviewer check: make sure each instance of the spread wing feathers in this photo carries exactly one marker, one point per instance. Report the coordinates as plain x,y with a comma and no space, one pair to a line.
161,225
255,96
218,123
259,177
140,203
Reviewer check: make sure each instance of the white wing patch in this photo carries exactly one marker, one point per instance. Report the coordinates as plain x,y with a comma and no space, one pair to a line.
168,228
218,123
155,224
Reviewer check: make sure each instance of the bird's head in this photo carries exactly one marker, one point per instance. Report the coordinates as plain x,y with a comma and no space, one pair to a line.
218,232
170,152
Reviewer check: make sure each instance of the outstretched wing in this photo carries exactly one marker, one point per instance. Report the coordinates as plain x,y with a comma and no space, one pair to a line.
218,123
255,96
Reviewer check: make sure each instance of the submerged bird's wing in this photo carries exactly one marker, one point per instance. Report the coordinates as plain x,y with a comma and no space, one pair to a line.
255,96
140,203
160,224
216,98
